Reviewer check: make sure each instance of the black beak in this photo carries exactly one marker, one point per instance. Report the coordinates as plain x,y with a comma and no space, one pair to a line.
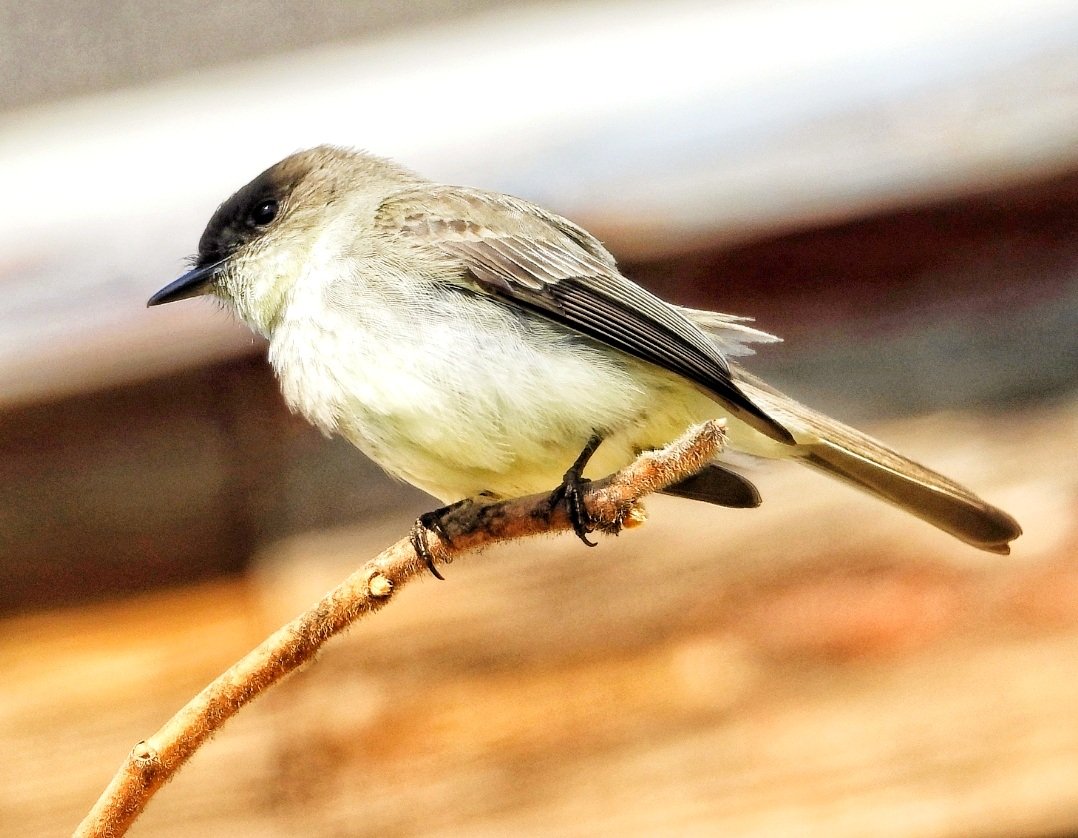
191,284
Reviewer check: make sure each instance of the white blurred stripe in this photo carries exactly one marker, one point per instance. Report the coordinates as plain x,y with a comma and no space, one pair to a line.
643,120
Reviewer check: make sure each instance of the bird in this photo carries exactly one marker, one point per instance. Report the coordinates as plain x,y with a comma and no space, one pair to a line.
475,345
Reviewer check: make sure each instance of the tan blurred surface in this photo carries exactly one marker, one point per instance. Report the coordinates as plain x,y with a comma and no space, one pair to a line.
822,665
891,187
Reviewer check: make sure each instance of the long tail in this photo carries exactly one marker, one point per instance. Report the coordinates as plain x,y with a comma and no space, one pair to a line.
926,494
868,464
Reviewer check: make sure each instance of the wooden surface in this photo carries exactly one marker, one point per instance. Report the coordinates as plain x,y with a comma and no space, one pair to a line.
958,305
820,666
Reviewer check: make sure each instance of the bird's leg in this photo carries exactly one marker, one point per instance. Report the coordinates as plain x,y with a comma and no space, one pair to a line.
433,522
571,492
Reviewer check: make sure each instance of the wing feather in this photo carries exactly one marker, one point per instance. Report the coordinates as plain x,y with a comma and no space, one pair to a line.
515,251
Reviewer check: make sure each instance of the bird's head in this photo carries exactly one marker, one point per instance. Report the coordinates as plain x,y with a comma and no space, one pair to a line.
279,228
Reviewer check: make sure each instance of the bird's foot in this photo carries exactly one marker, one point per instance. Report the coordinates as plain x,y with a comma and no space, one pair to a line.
571,493
432,522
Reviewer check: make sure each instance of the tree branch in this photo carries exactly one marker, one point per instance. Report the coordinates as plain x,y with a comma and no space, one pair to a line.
613,503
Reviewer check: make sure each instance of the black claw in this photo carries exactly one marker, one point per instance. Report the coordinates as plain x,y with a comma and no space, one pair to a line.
572,490
581,519
431,522
421,547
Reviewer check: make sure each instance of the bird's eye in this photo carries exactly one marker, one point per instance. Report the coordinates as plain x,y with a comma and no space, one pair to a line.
264,212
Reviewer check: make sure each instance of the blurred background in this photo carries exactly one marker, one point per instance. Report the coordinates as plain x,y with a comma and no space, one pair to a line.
892,187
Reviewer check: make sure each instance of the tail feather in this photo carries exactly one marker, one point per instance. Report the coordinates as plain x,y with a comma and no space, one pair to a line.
961,513
858,459
718,485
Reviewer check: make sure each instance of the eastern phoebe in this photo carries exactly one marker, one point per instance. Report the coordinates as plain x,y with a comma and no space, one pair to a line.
473,344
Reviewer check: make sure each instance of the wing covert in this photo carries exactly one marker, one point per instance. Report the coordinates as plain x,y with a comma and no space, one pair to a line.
514,250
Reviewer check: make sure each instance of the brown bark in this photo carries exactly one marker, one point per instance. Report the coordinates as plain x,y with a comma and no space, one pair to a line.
613,503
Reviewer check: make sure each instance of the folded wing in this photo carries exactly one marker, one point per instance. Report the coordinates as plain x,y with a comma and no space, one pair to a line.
513,250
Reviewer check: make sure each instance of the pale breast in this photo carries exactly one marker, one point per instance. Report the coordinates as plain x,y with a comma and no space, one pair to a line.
452,391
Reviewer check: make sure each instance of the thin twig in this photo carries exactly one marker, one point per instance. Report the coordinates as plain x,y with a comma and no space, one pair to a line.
613,503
